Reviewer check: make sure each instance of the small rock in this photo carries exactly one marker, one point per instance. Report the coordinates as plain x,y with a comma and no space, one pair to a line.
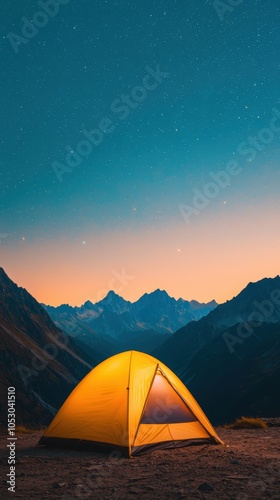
206,487
235,462
58,485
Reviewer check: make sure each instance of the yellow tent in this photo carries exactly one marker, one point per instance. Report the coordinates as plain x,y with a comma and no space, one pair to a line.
131,402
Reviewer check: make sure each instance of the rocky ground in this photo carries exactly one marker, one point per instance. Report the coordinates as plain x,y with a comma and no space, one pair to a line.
248,467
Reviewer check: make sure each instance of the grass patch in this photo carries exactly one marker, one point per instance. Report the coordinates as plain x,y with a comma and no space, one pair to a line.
247,423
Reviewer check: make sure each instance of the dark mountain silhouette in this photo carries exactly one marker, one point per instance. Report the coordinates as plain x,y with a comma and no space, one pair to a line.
230,358
41,362
249,303
243,382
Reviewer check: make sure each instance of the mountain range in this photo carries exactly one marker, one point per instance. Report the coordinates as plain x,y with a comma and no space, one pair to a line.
113,324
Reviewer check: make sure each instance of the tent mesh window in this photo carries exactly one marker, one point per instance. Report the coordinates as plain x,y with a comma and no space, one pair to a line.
164,405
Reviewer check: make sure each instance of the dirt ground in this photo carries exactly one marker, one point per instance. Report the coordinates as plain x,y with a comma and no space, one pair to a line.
247,468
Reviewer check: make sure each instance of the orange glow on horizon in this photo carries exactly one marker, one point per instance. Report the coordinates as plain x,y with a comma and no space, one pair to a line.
208,259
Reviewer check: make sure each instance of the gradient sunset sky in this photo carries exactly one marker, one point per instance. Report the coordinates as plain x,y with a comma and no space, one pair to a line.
126,217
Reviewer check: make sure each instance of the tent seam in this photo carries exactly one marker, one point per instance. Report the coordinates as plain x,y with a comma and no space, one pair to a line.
172,438
128,398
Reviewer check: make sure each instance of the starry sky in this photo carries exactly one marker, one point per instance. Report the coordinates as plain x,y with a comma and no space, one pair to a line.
174,93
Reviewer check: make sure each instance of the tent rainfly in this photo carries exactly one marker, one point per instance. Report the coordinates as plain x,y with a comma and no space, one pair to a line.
133,403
